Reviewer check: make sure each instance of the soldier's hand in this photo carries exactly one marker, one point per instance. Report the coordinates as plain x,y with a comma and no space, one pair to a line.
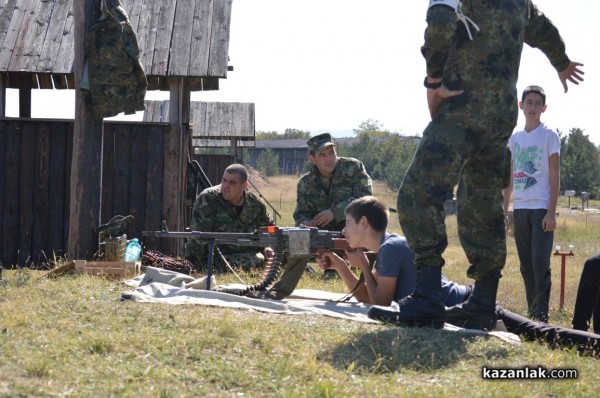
435,98
324,218
571,73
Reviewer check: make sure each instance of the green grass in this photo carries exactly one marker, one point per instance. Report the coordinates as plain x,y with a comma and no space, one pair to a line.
72,336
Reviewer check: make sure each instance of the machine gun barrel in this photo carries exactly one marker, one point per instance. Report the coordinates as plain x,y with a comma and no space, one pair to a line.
298,240
251,239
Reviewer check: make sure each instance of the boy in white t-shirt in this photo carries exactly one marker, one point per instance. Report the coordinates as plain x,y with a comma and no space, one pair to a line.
534,186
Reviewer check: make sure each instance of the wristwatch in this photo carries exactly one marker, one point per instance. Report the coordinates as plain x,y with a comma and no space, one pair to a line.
431,85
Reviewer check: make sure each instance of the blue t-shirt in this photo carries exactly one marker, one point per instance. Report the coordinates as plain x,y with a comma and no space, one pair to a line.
395,259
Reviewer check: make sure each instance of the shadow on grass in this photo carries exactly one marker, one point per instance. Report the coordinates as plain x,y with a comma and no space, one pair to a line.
397,348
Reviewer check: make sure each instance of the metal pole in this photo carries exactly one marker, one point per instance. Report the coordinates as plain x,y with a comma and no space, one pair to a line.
211,252
563,255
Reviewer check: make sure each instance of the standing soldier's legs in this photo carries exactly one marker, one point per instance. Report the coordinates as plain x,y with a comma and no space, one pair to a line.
480,215
481,232
434,171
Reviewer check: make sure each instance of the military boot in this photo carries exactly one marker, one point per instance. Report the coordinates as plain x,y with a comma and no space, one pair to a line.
479,311
423,308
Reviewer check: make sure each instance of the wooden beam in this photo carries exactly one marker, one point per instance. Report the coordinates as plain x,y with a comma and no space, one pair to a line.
2,95
86,164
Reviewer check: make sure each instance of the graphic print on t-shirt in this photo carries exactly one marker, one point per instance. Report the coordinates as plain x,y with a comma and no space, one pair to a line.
526,166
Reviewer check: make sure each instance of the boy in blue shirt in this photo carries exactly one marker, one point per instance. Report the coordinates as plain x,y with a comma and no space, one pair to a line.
394,275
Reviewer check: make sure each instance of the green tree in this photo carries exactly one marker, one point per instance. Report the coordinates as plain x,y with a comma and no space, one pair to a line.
293,134
580,169
268,162
371,128
396,154
386,155
267,135
288,134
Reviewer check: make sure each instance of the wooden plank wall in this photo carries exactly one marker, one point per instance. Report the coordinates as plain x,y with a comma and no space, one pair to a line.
213,166
34,185
35,167
214,124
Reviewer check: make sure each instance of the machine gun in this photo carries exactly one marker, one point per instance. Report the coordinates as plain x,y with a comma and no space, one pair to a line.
295,241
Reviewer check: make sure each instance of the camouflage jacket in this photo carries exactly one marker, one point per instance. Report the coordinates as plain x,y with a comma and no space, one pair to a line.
348,182
487,67
114,74
212,213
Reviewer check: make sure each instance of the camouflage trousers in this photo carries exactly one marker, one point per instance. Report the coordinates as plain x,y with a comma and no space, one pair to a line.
293,269
450,153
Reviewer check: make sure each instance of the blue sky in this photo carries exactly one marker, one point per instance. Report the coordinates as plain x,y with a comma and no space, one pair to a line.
328,65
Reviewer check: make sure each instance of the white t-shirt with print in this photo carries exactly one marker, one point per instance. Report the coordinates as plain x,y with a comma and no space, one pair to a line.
530,157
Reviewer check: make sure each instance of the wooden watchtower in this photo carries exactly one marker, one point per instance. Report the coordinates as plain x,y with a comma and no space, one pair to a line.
60,179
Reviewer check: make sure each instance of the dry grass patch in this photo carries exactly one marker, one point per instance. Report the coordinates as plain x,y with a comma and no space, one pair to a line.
73,336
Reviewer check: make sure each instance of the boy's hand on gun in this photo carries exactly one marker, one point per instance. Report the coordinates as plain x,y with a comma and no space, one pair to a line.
327,259
358,259
354,258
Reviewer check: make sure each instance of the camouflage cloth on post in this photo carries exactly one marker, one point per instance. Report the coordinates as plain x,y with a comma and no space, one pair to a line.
349,181
114,74
212,213
465,142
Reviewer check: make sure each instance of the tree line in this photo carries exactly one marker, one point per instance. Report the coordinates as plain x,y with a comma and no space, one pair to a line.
387,155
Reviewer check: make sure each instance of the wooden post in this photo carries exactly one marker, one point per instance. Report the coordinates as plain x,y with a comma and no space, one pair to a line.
176,156
25,97
86,163
563,255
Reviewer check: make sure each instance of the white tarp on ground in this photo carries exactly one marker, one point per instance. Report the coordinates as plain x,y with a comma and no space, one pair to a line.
168,287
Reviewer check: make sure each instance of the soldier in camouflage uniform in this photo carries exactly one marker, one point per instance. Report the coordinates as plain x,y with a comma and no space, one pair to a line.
228,207
322,195
472,70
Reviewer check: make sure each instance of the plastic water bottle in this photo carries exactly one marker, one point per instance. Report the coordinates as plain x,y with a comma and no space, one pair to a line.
133,251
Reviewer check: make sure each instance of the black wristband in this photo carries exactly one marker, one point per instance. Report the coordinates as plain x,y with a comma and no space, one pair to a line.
431,85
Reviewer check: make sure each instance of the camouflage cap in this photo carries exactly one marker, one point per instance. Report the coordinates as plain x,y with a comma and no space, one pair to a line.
318,142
